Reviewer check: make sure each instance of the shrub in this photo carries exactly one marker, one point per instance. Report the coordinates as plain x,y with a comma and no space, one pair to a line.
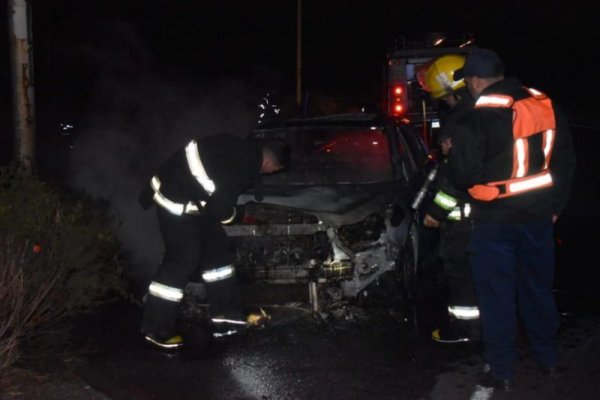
58,258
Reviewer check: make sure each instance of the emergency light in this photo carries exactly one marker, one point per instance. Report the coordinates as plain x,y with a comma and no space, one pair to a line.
398,100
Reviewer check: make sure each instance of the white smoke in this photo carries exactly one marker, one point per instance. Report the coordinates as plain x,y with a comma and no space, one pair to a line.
136,122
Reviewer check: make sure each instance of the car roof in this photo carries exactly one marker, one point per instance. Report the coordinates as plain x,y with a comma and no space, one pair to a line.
332,120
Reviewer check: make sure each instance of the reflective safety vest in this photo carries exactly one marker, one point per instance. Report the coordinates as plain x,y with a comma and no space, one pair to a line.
450,204
533,115
197,170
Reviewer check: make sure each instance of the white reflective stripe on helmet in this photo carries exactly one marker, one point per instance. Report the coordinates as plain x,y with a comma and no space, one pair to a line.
218,274
445,201
197,169
520,149
463,312
165,292
532,183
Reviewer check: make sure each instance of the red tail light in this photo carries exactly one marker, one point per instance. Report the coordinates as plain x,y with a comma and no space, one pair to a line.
398,100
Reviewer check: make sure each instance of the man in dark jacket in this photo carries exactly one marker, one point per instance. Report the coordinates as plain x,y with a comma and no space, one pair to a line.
195,193
514,154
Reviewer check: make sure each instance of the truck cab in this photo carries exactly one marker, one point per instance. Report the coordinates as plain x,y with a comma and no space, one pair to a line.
403,96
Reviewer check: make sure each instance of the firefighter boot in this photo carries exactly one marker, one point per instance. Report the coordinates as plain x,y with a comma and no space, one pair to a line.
450,333
258,320
170,342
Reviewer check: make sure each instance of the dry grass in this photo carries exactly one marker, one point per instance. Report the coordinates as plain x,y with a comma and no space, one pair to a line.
57,259
31,286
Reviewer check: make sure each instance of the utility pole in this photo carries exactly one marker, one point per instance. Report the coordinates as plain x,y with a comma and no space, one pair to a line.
299,55
21,62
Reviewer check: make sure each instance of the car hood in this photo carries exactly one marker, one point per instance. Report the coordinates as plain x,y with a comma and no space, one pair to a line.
337,204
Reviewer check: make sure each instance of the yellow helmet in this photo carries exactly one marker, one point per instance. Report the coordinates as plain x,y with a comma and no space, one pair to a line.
439,78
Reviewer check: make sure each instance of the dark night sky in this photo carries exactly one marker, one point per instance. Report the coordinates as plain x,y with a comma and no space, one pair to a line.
191,44
547,44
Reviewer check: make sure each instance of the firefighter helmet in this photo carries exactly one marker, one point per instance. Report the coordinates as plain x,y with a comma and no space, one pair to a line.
439,79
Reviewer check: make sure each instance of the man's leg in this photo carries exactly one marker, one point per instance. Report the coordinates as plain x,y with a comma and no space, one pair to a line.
462,307
494,277
218,273
181,258
462,300
535,281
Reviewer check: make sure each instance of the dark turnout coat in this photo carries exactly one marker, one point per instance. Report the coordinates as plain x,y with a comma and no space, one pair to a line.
231,164
484,152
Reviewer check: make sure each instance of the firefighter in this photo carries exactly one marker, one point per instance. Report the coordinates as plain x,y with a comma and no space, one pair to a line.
514,154
450,210
195,192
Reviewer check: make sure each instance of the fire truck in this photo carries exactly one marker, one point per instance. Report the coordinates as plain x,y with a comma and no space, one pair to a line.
404,97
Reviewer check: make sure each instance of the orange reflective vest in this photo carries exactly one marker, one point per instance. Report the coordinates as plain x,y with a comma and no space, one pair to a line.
533,115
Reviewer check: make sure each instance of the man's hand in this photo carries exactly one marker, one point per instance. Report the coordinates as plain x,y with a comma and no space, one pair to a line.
430,222
554,218
446,145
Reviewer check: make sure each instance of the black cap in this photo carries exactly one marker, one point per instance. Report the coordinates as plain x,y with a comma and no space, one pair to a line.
484,63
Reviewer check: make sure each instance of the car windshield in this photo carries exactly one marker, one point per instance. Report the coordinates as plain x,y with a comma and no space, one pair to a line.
334,155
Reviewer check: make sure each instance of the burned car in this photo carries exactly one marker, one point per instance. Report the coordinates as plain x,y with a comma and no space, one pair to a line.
340,217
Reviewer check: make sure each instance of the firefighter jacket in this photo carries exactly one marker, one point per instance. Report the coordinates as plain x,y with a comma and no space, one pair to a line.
514,154
451,203
206,177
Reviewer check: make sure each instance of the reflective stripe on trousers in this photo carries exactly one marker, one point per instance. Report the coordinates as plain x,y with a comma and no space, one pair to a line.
218,274
464,313
165,292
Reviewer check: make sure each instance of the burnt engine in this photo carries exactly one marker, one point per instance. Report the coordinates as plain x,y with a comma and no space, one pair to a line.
279,245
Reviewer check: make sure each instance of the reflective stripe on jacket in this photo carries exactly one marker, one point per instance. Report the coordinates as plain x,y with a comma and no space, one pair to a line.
455,211
532,116
197,170
206,176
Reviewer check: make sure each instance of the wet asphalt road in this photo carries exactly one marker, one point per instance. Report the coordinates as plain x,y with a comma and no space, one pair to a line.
374,356
295,357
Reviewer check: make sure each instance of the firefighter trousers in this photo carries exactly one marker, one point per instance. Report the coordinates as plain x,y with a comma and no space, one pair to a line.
193,245
513,273
454,240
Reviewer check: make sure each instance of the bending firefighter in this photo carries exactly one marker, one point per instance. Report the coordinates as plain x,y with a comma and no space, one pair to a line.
450,210
195,193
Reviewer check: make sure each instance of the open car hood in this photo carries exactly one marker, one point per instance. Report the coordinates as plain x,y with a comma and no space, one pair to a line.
337,204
